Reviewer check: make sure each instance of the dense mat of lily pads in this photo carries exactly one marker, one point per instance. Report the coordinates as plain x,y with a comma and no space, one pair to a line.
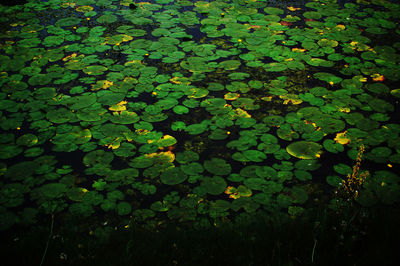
197,111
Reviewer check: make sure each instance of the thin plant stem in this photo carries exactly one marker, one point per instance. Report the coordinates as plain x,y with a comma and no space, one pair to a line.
48,239
313,250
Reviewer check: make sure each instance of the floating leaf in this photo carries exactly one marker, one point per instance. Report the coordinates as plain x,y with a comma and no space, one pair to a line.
60,115
166,141
246,203
328,77
254,155
123,208
214,185
95,70
66,22
107,18
304,149
187,156
173,176
342,169
217,166
27,140
334,181
124,117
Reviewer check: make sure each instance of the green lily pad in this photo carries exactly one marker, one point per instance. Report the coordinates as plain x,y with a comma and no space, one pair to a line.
273,11
395,93
217,166
141,161
379,154
44,93
53,41
66,22
159,206
334,181
98,157
107,18
255,183
60,115
108,205
304,149
52,190
186,157
263,198
214,185
328,77
230,64
125,150
254,155
327,42
124,117
173,176
219,208
246,203
81,209
274,120
193,168
94,70
39,79
30,71
123,208
196,129
333,147
166,141
179,109
27,140
342,169
33,152
82,101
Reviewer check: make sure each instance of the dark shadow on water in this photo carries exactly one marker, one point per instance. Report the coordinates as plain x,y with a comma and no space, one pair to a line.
351,238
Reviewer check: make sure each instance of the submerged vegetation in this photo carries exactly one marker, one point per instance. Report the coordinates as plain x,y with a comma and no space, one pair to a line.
123,117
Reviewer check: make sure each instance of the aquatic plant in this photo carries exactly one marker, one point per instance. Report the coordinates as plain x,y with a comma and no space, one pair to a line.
352,184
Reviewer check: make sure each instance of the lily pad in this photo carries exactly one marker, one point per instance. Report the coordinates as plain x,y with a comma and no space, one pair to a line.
66,22
173,176
187,156
214,185
27,140
328,77
123,208
60,115
304,149
217,166
254,155
107,18
95,70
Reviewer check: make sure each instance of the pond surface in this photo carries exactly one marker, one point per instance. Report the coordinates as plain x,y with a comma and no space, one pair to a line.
197,112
